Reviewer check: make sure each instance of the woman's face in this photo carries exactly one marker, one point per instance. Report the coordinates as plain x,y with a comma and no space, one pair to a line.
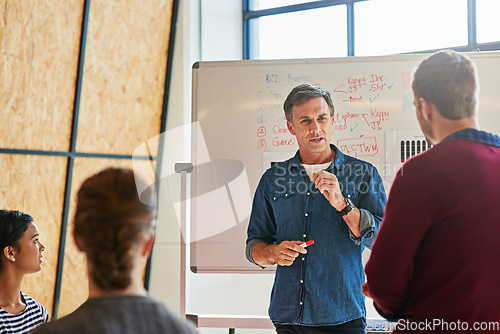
28,257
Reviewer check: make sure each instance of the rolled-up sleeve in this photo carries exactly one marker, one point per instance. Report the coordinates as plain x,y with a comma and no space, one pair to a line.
261,227
371,204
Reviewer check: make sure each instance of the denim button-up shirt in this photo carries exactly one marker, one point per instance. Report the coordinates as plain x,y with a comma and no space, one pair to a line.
322,287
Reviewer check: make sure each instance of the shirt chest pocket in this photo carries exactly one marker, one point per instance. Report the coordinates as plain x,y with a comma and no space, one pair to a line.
283,204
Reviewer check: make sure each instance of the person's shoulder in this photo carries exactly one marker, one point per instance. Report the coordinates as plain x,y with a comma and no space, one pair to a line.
72,322
430,166
31,301
97,313
34,305
170,318
443,152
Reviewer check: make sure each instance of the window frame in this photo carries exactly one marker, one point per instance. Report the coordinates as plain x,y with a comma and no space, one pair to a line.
248,15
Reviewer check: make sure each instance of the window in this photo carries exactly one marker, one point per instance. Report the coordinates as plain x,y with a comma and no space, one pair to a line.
304,34
266,4
488,26
395,26
335,28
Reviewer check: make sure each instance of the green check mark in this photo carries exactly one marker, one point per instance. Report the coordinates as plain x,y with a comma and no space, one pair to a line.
371,100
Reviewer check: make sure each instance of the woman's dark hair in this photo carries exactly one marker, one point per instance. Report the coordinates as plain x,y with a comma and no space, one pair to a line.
111,222
13,225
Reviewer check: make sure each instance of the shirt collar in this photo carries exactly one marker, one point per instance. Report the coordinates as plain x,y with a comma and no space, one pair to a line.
475,135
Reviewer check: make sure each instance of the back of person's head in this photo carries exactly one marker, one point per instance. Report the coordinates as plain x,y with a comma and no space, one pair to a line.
303,93
13,225
111,223
448,80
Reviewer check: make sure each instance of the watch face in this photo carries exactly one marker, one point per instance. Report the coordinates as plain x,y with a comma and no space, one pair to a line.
350,203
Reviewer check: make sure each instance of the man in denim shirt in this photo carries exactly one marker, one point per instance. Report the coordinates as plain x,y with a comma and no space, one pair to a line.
322,195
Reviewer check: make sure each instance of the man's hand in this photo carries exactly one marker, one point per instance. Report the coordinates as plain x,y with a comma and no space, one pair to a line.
282,254
365,290
328,185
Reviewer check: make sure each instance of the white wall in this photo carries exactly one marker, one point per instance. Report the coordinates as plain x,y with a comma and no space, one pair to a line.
165,269
206,30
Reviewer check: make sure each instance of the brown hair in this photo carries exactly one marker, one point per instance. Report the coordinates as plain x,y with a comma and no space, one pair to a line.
448,79
111,222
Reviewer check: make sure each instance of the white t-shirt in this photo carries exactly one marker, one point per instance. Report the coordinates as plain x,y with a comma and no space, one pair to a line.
311,169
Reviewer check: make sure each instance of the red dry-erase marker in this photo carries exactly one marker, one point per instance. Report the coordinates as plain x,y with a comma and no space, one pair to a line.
307,243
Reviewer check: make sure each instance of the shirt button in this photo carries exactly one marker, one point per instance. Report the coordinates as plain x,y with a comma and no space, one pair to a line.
304,235
301,281
301,303
286,195
306,214
308,194
274,198
303,258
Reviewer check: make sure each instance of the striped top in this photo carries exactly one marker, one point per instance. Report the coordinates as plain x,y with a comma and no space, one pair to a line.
32,316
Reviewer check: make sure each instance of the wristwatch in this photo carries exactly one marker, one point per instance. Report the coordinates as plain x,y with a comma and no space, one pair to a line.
350,206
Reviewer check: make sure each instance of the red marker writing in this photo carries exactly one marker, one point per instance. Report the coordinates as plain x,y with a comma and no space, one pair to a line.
307,243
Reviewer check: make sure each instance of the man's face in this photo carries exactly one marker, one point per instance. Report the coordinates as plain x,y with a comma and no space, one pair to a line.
312,125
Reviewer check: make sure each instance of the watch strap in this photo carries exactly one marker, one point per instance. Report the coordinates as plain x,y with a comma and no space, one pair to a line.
349,207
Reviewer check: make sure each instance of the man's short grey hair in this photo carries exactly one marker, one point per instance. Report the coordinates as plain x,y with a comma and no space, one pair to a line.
448,79
303,93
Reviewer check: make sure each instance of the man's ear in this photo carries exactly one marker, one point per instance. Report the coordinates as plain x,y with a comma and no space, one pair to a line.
290,127
78,241
427,109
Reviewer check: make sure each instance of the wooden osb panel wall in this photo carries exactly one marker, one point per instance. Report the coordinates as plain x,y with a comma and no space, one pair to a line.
39,43
34,186
120,108
124,75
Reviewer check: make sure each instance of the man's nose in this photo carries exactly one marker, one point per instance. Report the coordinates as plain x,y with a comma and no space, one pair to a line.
314,126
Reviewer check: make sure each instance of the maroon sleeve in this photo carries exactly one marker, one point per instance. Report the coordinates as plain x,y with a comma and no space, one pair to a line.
409,213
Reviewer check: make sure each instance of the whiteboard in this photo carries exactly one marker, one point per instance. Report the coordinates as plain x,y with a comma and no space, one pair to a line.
241,129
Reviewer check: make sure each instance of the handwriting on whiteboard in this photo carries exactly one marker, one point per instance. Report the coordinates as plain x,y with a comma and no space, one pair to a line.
361,107
296,78
359,147
363,89
375,118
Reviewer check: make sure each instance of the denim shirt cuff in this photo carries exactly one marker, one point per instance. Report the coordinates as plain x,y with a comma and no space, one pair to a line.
249,248
366,226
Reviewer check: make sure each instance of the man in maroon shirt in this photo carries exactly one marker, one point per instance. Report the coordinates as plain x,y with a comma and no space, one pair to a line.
435,264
